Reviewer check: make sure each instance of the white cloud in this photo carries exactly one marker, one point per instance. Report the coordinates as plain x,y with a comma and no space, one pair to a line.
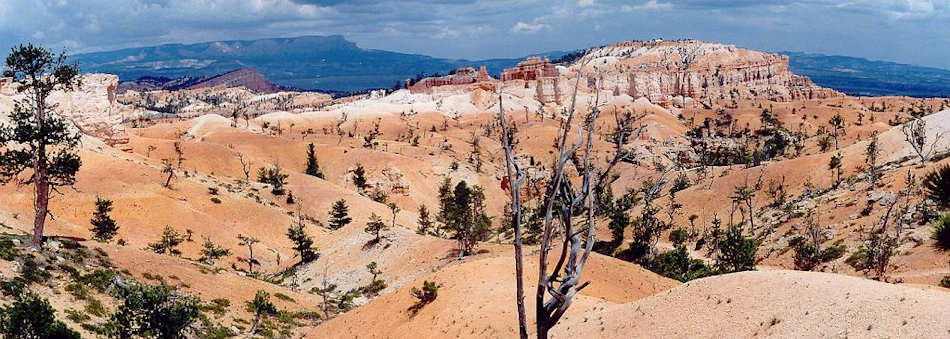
446,33
522,27
649,5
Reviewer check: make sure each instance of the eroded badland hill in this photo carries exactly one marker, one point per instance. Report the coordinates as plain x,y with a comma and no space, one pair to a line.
730,138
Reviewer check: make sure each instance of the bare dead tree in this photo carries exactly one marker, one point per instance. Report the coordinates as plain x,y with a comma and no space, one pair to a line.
562,283
339,127
515,178
915,133
245,166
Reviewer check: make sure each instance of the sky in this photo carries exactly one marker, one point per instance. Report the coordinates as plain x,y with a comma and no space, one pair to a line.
907,31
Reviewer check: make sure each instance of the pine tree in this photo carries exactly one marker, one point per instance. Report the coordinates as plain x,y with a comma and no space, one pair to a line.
274,177
872,152
736,253
835,166
261,307
38,139
211,252
168,243
313,167
425,222
374,226
339,215
104,227
31,316
359,177
303,244
446,203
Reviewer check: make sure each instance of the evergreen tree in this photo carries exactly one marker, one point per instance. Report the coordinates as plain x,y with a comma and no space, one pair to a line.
313,168
152,312
261,306
465,216
359,177
835,166
374,226
168,243
446,203
211,252
339,215
736,252
38,139
303,244
30,316
274,177
425,221
104,227
872,152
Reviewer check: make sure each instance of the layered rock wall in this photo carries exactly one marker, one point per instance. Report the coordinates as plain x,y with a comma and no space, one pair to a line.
659,70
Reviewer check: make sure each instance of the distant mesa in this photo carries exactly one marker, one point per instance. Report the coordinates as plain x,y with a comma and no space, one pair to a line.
246,77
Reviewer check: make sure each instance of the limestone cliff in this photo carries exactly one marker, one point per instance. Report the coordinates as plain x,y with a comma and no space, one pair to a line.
92,108
660,70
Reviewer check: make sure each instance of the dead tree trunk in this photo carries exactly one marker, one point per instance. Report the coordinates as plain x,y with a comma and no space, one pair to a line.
562,283
516,178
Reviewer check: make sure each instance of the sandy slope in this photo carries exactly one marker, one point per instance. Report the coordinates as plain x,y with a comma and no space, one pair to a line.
476,300
781,304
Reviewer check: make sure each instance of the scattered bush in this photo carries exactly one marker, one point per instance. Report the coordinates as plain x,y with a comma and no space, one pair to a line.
942,232
31,272
736,252
8,251
30,316
677,264
937,185
152,312
168,244
273,177
426,295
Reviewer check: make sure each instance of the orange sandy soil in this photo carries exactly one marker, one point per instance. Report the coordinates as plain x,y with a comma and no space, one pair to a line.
476,297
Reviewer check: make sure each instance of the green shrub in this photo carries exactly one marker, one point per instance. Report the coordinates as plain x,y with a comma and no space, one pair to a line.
8,251
945,282
31,272
77,290
284,297
152,311
100,279
30,316
12,287
217,306
76,316
678,236
374,287
677,264
94,307
425,295
858,259
937,185
942,232
736,252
